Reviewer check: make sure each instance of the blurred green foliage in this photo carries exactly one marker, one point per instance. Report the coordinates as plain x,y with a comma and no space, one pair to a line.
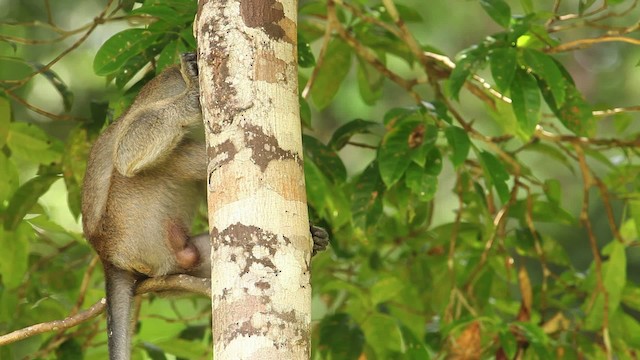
476,163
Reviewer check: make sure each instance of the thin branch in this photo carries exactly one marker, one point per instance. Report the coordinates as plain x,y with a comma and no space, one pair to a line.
583,43
165,284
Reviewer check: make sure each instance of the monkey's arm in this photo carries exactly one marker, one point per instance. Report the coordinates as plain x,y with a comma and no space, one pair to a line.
149,137
166,109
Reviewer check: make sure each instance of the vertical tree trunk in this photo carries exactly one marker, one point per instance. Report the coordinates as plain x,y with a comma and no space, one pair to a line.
258,217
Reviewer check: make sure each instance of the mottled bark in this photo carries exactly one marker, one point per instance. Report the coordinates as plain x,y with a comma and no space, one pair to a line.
258,217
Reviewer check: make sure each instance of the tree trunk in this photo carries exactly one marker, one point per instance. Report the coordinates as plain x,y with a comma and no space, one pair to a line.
261,295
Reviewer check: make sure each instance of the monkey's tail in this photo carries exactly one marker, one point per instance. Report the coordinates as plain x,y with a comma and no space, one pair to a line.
119,288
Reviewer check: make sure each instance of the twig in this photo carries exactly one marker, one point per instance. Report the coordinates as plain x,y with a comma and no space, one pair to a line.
165,284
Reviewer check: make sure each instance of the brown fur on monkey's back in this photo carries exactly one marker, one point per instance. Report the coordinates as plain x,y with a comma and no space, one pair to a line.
126,218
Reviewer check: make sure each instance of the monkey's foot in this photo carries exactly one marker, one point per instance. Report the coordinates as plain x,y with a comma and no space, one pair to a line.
320,239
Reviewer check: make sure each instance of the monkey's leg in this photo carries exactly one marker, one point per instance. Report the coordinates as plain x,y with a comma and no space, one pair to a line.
119,288
203,243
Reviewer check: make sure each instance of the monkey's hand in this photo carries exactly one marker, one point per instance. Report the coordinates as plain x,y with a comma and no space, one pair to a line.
320,239
189,70
189,64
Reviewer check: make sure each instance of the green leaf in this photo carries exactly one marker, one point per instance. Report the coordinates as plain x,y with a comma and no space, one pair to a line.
332,72
614,277
398,147
416,349
499,11
383,334
468,61
527,6
382,42
25,198
503,63
459,143
552,153
496,174
16,243
343,134
329,201
370,82
546,68
422,184
74,166
366,198
542,211
305,55
70,350
162,12
575,113
305,112
340,337
631,296
553,190
634,209
525,100
182,348
5,120
625,327
537,338
458,77
10,179
130,69
30,143
433,162
325,159
119,48
57,82
168,56
386,289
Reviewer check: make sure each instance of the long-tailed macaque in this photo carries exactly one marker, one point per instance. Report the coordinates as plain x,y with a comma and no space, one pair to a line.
145,176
